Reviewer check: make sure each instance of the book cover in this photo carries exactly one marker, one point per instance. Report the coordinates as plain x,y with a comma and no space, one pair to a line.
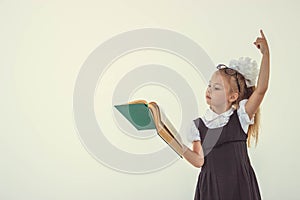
138,114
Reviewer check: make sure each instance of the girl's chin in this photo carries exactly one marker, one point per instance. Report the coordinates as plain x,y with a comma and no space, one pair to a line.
208,101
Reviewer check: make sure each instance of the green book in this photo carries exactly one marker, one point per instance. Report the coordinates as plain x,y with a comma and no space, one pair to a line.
138,114
145,116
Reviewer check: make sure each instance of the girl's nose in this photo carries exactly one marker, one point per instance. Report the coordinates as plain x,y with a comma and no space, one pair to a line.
208,90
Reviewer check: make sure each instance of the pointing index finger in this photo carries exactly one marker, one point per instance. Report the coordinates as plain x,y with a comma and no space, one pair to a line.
262,34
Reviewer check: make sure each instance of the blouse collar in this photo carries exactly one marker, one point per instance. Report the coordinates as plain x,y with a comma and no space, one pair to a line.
210,115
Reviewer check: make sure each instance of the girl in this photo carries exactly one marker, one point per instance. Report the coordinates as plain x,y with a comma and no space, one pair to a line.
219,137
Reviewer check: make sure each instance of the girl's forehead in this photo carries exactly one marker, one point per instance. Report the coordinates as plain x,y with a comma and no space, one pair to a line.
216,78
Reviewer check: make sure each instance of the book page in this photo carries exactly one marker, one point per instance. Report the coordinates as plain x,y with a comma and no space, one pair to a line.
170,126
138,101
162,122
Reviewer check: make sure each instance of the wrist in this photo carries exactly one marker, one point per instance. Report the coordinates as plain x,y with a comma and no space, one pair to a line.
266,53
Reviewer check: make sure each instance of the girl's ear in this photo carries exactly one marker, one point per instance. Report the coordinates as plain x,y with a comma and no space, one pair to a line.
233,97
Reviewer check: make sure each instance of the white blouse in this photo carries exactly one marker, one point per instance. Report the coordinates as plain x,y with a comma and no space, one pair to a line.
214,120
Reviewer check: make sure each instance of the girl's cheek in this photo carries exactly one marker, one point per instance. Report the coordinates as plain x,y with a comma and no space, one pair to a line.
220,96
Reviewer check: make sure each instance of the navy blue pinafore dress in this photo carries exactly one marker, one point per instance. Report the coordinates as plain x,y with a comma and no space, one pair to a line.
227,173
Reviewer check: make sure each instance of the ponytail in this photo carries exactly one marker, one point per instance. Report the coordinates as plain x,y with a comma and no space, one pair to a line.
253,129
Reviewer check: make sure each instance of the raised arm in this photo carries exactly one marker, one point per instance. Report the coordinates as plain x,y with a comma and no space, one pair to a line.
263,79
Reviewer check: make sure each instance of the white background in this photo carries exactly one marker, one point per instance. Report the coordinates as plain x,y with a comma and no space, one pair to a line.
43,46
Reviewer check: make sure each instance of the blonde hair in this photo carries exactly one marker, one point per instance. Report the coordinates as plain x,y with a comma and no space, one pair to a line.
244,93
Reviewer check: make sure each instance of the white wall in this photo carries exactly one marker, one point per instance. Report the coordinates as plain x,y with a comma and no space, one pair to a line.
43,46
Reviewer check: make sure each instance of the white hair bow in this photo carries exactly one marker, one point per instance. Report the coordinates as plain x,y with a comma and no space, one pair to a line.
247,67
